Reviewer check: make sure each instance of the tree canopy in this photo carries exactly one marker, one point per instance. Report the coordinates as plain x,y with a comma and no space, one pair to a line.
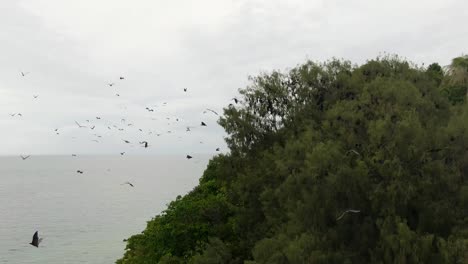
387,139
456,83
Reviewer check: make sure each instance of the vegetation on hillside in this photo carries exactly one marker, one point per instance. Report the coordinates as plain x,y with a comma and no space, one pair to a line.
387,138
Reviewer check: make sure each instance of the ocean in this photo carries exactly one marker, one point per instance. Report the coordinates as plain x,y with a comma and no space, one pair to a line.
84,218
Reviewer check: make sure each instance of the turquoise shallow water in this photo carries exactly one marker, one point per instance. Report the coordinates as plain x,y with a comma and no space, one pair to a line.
84,217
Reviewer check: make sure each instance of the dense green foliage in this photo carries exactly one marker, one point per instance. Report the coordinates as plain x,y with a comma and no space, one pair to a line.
456,85
386,138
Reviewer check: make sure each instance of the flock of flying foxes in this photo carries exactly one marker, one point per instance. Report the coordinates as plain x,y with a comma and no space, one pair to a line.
36,240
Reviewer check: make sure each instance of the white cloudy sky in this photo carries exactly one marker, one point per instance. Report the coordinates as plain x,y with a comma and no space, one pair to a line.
72,49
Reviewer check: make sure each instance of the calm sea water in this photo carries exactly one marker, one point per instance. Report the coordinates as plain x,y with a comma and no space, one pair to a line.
84,217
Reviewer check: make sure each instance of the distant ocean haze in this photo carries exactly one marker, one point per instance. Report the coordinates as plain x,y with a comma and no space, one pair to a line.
83,218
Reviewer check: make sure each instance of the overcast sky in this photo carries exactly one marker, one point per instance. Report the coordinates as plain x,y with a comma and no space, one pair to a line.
73,49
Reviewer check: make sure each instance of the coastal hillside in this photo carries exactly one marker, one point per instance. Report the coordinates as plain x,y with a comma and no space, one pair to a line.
330,163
